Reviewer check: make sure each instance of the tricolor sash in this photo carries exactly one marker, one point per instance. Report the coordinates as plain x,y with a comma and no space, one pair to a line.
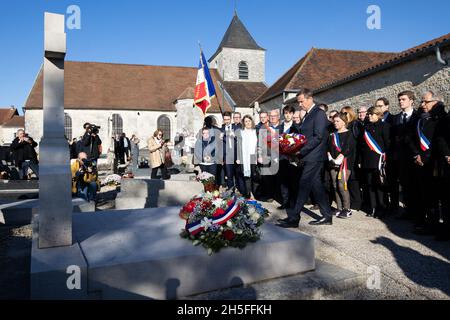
425,144
343,169
373,145
198,226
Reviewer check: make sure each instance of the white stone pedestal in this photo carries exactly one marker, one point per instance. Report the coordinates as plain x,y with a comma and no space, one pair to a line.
138,254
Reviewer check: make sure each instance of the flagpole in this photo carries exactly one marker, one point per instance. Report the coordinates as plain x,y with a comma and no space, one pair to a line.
223,89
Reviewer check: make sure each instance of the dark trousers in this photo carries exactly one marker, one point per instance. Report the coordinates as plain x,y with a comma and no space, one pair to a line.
444,196
267,183
425,196
212,169
235,177
310,182
354,189
375,189
164,172
284,181
251,184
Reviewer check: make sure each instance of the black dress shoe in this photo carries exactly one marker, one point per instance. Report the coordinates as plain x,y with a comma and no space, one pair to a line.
283,207
322,222
289,224
285,220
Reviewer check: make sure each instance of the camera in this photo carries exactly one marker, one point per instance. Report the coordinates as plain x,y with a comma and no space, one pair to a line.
88,164
92,128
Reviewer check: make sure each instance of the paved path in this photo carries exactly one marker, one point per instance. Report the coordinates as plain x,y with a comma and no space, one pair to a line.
412,266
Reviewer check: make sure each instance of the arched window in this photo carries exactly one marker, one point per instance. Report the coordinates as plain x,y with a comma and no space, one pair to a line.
243,70
117,124
164,125
67,126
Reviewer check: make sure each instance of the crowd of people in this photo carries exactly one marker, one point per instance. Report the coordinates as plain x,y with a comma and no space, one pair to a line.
362,158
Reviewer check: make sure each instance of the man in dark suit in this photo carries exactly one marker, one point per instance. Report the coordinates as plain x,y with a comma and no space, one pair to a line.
400,162
233,172
383,103
286,170
312,158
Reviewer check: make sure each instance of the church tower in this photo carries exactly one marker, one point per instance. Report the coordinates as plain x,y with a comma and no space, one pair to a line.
239,57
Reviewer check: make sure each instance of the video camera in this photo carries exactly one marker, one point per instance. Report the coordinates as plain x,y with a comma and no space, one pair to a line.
92,128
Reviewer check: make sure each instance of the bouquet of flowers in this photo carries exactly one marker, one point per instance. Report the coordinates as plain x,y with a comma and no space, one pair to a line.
290,144
208,181
217,220
112,180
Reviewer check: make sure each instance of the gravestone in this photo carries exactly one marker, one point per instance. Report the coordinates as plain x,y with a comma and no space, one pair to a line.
147,193
55,196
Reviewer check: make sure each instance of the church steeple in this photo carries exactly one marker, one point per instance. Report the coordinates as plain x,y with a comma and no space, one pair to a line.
237,36
239,57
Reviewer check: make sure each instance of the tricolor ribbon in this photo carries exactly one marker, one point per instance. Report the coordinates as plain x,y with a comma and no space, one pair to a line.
198,226
425,144
373,145
343,169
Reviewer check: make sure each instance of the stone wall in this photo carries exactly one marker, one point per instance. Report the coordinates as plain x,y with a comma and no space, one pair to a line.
142,123
272,104
417,75
7,134
230,58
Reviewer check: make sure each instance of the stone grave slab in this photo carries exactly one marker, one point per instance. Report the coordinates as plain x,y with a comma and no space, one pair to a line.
147,193
138,254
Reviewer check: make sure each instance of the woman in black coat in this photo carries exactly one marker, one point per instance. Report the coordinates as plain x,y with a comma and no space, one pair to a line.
375,142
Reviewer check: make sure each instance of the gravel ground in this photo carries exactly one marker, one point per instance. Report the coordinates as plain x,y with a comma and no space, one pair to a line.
412,267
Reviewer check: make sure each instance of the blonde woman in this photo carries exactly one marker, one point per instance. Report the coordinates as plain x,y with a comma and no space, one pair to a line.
157,147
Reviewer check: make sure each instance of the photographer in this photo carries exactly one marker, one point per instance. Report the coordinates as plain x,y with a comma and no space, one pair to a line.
84,177
24,155
91,143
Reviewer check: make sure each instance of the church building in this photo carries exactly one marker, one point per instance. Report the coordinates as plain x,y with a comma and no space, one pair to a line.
138,99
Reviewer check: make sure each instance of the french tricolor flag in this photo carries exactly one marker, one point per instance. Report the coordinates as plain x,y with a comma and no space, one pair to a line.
204,88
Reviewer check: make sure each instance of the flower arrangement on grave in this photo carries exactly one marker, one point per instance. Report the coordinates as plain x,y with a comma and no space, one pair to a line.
112,180
209,181
291,143
217,220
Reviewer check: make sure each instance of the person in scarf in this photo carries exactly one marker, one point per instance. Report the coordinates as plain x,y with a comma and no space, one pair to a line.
247,153
376,140
425,151
341,157
205,152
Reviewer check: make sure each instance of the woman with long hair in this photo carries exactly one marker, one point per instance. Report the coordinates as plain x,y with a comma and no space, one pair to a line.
341,157
248,153
158,147
354,185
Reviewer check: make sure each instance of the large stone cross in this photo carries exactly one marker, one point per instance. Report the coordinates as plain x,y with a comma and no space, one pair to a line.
55,203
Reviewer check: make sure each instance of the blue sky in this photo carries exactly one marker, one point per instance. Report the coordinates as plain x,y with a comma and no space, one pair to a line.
158,32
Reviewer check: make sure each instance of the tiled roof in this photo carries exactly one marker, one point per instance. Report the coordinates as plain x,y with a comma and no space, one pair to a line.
390,61
320,66
7,113
244,93
15,122
95,85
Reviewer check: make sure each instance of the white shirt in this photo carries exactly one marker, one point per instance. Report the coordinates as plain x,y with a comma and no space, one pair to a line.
408,115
